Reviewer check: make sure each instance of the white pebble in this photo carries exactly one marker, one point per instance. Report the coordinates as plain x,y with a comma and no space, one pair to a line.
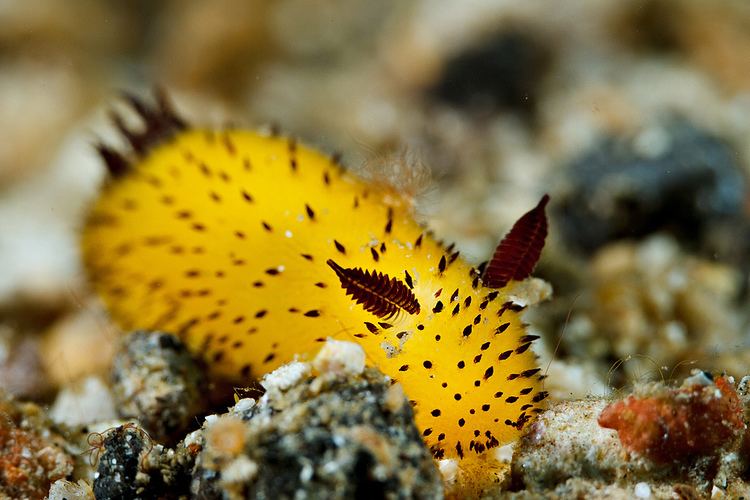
87,402
240,470
243,405
340,357
306,473
504,453
642,490
285,376
449,470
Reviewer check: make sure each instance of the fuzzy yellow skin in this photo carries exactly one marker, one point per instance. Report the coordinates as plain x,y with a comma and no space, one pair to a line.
188,242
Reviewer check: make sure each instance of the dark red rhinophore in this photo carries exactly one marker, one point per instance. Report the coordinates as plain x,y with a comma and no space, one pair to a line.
378,293
518,253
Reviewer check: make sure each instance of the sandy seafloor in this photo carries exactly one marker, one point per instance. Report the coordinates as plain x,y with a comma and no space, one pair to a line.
633,116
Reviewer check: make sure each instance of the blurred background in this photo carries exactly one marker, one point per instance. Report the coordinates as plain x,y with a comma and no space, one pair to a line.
634,116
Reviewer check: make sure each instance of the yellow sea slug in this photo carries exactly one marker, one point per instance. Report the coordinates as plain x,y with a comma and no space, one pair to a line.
254,249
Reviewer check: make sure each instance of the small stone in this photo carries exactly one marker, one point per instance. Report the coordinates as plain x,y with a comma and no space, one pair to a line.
243,406
340,358
449,470
240,470
529,292
84,403
642,490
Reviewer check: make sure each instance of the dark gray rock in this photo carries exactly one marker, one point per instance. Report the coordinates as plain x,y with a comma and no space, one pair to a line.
118,466
690,186
156,380
503,72
326,437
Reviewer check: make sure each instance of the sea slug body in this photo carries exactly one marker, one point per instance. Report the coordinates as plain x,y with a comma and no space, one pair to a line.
254,249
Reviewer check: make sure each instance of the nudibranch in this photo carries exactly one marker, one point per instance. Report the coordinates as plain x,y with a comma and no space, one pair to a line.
253,249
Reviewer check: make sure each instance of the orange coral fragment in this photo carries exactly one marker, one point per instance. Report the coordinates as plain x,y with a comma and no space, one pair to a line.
28,462
692,421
